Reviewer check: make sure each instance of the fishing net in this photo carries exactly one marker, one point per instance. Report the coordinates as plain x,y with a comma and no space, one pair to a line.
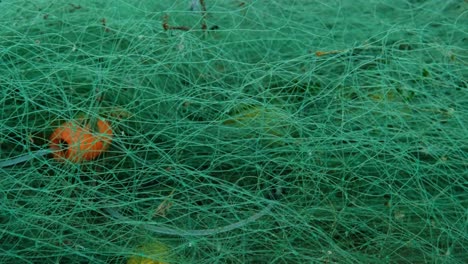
242,131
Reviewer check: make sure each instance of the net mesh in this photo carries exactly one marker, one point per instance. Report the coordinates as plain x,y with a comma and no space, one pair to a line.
243,131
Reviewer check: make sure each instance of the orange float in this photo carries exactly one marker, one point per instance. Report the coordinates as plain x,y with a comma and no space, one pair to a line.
77,142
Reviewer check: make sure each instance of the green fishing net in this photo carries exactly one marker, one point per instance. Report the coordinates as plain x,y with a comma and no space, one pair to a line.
256,131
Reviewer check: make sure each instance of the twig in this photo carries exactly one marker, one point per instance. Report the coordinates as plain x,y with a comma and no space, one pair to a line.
193,7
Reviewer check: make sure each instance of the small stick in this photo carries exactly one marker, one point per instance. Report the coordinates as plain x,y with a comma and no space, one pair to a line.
323,53
194,6
167,27
202,3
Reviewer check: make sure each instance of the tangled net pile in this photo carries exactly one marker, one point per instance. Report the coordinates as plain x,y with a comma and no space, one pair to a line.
243,131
